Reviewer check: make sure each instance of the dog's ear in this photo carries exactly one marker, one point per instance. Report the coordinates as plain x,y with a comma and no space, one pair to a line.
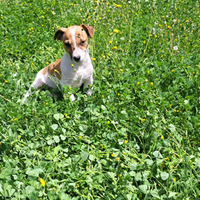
59,33
89,29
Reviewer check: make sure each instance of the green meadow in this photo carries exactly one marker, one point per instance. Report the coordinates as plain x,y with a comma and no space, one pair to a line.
136,137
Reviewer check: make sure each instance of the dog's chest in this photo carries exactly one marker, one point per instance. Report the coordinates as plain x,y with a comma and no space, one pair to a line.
76,77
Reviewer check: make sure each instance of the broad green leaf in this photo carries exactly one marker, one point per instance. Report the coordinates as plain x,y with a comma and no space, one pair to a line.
157,154
172,128
129,196
50,142
132,173
64,196
155,194
29,189
149,162
54,126
172,194
56,139
91,157
111,174
164,175
104,162
63,130
58,116
143,188
133,166
103,108
63,137
56,150
6,172
138,177
34,172
84,155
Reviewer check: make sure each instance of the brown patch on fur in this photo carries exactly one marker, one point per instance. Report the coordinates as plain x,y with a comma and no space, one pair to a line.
89,29
59,33
81,35
53,69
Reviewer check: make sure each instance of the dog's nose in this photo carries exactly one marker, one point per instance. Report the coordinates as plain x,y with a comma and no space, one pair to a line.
77,58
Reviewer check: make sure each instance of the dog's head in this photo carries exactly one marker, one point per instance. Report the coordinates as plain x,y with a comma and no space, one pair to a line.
75,40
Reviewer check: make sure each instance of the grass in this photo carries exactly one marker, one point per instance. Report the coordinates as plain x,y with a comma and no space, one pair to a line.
136,137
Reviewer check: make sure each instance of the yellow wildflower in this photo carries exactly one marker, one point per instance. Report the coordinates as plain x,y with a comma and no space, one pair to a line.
118,159
116,31
167,158
42,181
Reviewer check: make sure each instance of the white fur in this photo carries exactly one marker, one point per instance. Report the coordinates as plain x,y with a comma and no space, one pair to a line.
80,73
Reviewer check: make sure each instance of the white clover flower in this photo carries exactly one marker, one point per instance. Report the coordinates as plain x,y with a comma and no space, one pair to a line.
174,20
175,48
154,31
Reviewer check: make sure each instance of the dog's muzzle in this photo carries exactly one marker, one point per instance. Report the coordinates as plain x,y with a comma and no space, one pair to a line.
78,55
77,58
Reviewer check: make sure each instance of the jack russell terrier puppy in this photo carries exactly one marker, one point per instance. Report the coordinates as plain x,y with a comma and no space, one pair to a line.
75,67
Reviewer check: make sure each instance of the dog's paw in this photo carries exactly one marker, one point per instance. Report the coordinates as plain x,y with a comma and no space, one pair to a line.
72,97
89,92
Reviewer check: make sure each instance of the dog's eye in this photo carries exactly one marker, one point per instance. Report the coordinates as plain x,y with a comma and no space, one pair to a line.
67,44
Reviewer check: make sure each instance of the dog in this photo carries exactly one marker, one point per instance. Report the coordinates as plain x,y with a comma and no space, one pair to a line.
75,67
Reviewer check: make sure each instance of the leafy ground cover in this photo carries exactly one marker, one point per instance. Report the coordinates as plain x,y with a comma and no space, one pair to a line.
136,137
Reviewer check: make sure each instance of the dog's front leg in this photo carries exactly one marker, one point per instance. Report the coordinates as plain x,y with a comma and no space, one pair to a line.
39,80
89,82
72,97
